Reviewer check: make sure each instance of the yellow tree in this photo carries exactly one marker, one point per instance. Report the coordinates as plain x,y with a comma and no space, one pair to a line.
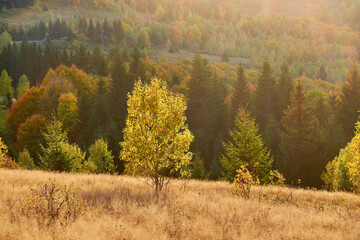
156,139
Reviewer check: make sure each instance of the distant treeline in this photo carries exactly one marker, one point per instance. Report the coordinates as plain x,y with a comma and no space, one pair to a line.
8,4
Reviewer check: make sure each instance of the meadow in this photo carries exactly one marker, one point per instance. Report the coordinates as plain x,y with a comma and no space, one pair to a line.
124,207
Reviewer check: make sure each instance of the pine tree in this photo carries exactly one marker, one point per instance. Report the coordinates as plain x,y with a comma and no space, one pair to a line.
286,86
118,31
198,112
246,148
300,141
350,101
98,61
137,66
266,97
241,93
99,116
91,31
119,88
57,154
218,118
81,58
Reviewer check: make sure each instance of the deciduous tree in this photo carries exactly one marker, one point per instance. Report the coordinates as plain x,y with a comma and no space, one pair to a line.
156,139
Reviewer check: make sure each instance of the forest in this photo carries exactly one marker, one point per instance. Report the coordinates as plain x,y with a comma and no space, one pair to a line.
288,108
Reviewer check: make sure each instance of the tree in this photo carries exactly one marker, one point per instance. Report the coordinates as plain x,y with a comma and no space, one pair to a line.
25,160
343,173
300,141
199,110
29,134
98,61
58,154
118,31
137,66
143,40
120,86
22,86
5,85
286,86
266,97
67,112
101,157
322,73
245,148
350,101
156,139
24,107
241,93
5,39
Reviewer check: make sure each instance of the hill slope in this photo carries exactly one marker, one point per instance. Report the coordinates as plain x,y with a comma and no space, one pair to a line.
121,207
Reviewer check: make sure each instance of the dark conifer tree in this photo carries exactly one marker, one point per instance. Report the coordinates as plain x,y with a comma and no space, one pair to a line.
91,31
81,58
266,97
286,86
118,31
119,88
137,66
300,142
241,93
198,112
350,101
98,61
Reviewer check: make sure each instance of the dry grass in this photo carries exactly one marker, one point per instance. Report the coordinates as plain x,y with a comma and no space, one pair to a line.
122,207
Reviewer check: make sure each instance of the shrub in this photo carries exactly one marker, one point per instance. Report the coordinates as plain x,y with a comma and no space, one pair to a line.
243,182
51,204
5,160
276,178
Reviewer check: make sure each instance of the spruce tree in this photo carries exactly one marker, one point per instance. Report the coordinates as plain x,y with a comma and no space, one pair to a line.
241,93
98,61
286,86
91,31
300,141
246,148
137,66
266,97
350,101
198,112
119,88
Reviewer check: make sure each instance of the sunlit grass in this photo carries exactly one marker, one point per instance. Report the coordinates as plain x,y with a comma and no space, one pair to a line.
122,207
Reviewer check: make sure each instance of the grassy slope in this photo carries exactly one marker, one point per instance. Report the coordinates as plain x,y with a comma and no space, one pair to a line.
122,207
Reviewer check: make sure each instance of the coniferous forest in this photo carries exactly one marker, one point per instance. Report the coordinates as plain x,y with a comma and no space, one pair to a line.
272,94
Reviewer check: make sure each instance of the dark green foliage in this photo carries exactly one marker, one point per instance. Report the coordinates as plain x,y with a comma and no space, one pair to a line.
286,86
137,67
241,93
266,102
300,142
120,86
98,62
350,101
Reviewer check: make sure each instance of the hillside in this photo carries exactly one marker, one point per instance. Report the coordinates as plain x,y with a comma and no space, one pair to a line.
122,207
16,16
